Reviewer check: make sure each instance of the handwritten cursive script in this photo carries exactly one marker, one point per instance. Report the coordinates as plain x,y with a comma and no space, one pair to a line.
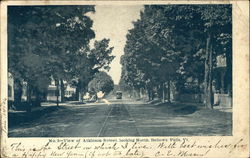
71,148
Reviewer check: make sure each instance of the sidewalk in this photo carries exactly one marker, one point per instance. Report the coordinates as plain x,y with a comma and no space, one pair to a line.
224,109
198,105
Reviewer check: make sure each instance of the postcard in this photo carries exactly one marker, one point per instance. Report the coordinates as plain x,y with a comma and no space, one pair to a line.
124,79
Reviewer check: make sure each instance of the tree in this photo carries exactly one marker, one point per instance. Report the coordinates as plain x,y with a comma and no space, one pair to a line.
100,56
101,82
217,20
177,42
150,43
88,62
43,40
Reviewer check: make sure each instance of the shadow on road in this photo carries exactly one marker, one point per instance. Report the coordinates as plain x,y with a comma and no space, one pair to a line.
177,108
20,117
186,110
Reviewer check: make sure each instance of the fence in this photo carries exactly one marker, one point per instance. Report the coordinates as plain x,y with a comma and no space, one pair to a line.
222,100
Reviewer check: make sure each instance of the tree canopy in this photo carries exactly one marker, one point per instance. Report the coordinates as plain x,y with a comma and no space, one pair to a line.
53,42
101,82
173,43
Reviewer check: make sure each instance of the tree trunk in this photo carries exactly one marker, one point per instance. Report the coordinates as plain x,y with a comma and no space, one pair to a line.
138,93
17,92
38,98
133,92
149,94
228,74
29,101
77,93
200,91
141,93
169,99
222,77
57,92
28,92
152,94
163,93
208,94
62,90
80,96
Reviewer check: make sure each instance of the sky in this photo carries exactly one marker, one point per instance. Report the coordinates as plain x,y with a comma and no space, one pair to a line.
113,22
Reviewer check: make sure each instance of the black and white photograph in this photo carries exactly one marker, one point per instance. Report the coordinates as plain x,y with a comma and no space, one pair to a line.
120,70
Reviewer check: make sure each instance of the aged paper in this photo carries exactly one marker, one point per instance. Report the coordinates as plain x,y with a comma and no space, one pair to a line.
235,145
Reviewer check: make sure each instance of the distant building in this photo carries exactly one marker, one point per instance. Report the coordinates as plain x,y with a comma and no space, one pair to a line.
222,86
222,83
51,91
69,92
10,87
